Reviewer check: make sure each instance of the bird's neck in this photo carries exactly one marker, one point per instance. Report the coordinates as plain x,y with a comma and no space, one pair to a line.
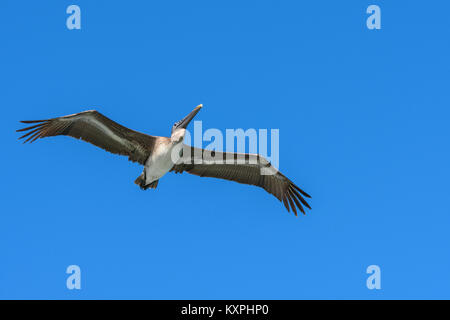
177,136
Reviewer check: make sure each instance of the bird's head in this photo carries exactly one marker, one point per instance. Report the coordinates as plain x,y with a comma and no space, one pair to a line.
179,127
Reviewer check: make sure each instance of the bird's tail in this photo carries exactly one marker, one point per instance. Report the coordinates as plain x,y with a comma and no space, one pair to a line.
140,181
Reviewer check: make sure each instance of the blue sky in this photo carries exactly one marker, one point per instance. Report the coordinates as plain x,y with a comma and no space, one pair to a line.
363,119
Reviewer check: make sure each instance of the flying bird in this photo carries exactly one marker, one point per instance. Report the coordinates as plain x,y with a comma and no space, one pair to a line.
156,154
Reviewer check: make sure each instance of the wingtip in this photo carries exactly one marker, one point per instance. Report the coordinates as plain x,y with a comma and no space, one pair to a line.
301,191
31,121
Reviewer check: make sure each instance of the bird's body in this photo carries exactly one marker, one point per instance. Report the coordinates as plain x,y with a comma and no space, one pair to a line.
159,161
160,155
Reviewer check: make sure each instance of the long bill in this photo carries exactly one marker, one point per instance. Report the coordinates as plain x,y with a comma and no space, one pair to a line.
184,123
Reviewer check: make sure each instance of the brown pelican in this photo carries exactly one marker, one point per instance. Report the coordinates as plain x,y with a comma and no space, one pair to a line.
156,154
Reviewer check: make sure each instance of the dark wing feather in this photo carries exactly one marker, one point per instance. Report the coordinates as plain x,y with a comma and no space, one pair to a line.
93,127
242,168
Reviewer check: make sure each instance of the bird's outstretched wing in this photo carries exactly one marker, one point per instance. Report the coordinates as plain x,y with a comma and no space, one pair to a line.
244,168
93,127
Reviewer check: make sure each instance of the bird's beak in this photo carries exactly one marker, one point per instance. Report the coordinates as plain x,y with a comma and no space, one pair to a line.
184,123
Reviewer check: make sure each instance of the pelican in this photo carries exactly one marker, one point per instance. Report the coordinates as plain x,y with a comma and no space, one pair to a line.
156,154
